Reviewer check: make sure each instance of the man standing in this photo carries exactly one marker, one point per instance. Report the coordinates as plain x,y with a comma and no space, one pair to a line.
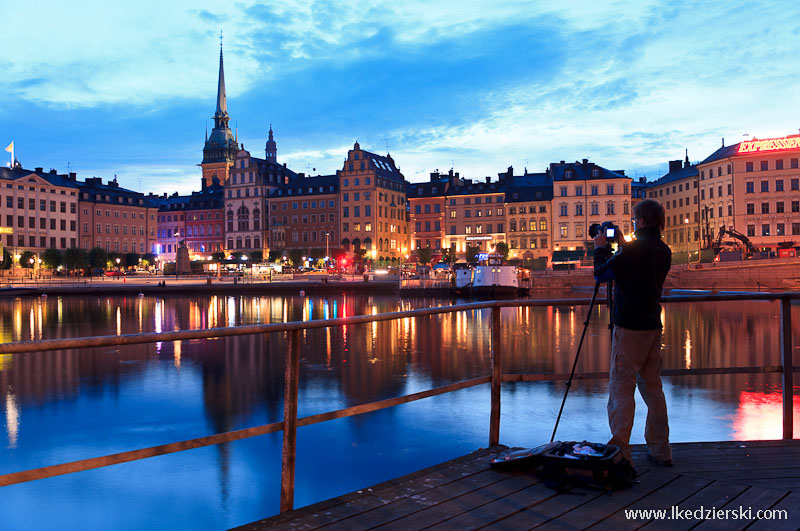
638,269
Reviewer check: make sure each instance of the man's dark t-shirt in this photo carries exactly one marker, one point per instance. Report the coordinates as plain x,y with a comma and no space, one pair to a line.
638,269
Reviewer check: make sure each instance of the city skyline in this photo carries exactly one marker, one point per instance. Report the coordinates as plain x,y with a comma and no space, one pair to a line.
124,93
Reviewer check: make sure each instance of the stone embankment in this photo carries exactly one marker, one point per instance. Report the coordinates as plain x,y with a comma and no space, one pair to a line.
767,275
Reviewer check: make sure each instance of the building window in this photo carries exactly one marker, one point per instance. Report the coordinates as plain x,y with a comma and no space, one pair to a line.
749,187
563,231
563,191
748,166
765,229
764,165
765,208
563,209
780,230
595,209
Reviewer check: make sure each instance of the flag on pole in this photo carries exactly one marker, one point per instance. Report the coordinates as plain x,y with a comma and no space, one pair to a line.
10,149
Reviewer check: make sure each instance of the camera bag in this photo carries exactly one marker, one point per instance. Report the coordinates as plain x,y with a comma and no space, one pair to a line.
601,466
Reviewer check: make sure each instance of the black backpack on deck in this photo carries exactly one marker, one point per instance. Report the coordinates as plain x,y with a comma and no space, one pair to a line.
569,464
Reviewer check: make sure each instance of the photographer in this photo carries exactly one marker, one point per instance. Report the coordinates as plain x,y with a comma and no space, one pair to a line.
638,269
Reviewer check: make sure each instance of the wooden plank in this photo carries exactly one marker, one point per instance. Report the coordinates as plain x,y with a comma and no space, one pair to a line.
715,495
390,402
546,510
348,505
497,379
499,509
754,498
791,504
456,505
601,508
673,493
289,452
787,382
428,506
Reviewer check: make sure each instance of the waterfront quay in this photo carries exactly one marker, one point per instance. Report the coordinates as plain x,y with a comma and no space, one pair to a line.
723,485
498,398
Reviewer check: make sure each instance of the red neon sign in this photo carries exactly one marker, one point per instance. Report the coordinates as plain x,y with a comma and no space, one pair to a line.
770,144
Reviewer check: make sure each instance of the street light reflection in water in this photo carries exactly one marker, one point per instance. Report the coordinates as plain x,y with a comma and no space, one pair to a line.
66,405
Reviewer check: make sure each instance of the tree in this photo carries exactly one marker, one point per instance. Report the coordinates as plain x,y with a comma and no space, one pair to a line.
27,259
424,255
98,258
472,254
449,255
149,259
502,249
131,259
275,255
295,256
52,258
218,257
75,258
256,256
236,256
7,259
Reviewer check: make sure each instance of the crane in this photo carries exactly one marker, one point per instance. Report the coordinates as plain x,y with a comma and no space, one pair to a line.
749,250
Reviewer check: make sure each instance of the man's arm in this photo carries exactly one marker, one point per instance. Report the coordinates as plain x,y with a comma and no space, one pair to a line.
603,267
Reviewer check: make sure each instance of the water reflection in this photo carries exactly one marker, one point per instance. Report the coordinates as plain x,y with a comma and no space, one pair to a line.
112,399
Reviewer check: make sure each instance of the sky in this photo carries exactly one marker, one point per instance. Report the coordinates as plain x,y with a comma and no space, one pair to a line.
105,88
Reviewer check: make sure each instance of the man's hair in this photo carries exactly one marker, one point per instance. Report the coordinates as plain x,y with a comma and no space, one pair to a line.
650,213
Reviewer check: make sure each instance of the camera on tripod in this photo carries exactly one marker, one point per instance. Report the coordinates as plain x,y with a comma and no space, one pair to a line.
612,232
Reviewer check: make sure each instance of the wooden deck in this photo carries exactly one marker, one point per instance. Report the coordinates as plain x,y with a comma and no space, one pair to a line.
467,494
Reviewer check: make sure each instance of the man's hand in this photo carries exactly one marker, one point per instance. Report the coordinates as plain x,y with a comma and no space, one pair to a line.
600,240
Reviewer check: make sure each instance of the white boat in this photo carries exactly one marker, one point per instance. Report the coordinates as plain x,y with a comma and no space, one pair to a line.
493,280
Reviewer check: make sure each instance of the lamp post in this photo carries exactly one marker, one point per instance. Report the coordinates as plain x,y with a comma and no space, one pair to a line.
117,261
686,222
327,251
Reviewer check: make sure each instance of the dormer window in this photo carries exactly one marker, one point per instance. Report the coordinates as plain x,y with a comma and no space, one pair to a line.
568,174
595,173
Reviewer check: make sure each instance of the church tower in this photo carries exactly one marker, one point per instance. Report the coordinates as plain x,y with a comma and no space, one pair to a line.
272,147
221,147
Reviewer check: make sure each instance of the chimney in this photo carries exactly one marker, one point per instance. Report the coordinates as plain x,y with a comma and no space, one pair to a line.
723,141
674,165
73,175
561,162
53,171
642,180
487,179
585,161
38,169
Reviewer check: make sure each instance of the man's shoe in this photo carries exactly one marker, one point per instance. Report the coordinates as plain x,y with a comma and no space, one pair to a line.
659,462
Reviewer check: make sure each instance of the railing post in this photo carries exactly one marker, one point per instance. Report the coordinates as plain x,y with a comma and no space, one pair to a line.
291,381
497,378
788,367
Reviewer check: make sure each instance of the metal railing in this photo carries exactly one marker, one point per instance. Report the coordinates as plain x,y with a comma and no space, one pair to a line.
291,422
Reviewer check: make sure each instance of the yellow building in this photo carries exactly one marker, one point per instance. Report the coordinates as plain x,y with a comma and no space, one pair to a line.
678,192
753,187
583,194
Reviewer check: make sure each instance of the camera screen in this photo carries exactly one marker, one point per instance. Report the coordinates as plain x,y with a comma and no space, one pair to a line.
609,233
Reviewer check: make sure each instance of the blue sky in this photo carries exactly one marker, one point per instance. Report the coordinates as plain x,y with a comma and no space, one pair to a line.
477,86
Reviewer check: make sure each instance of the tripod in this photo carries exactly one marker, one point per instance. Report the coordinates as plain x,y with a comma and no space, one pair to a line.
609,297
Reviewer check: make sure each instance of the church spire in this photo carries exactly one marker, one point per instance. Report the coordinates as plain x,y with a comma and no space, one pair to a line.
222,100
272,147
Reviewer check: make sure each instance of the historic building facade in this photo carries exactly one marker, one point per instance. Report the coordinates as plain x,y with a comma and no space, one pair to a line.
304,215
115,218
427,206
678,192
475,215
372,210
585,193
753,187
38,210
204,222
528,211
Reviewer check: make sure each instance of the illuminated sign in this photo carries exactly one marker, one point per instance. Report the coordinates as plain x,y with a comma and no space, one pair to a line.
483,256
770,144
6,230
478,238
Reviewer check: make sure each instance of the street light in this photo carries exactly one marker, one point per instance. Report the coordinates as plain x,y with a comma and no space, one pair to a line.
117,261
327,250
176,234
686,222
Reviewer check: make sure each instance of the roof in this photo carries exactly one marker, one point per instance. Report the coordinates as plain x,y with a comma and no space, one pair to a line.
722,153
685,172
94,185
529,187
468,187
582,171
51,176
437,188
383,166
306,186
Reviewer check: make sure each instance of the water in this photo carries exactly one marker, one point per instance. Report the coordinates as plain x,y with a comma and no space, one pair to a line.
69,405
